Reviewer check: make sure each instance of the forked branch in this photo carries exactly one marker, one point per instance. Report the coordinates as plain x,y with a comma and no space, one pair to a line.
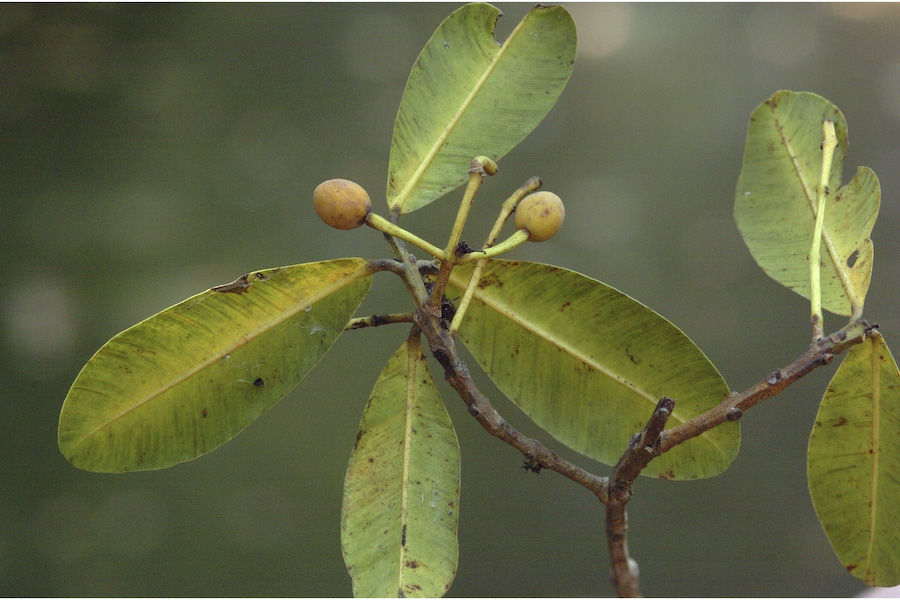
653,441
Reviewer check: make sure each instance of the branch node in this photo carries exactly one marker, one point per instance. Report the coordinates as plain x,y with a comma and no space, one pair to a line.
774,377
462,369
635,440
734,413
530,463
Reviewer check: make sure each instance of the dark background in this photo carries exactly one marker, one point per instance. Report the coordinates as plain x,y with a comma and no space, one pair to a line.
149,152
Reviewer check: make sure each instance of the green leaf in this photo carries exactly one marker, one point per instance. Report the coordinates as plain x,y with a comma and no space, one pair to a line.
188,379
588,364
401,491
775,201
467,97
854,463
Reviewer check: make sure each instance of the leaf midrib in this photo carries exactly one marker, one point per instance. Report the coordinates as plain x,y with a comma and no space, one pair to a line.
876,447
812,203
403,196
412,360
567,348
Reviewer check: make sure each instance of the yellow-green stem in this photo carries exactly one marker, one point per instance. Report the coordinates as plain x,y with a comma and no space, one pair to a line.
516,239
509,205
385,226
376,320
829,143
476,177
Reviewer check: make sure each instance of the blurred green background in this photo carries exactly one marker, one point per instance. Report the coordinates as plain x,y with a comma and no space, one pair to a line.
151,151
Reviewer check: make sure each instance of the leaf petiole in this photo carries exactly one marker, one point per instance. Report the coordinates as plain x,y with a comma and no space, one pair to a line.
383,225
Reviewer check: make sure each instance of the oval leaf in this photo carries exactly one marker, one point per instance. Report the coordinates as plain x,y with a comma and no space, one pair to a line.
588,364
401,491
854,463
775,202
467,97
191,377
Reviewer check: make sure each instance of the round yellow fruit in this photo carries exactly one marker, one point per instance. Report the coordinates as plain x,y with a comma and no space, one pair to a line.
341,203
541,214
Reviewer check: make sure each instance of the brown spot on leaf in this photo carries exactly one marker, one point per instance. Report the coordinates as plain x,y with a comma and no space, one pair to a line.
238,286
489,280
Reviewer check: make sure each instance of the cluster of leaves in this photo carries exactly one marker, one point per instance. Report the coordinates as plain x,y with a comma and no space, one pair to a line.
852,461
584,361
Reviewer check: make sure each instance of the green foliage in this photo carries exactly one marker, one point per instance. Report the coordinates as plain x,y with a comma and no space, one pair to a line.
467,96
190,378
853,449
588,364
854,463
584,361
775,202
401,492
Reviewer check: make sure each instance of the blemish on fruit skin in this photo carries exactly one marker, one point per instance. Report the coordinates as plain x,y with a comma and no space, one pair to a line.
259,382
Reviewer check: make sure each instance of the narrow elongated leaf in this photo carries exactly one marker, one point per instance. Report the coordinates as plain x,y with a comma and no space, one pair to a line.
775,202
854,463
401,492
588,364
467,97
189,378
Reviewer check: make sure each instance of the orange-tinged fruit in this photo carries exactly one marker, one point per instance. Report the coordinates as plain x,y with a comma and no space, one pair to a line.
541,214
341,203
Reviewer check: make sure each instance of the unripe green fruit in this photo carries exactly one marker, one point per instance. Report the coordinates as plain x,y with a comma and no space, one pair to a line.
541,214
341,203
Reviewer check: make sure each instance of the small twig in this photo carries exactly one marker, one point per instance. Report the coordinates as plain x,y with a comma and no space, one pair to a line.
376,320
639,453
820,353
624,570
536,455
654,441
636,457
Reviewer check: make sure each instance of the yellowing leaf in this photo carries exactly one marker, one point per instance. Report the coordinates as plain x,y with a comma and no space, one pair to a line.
191,377
588,364
466,96
775,201
854,463
401,491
